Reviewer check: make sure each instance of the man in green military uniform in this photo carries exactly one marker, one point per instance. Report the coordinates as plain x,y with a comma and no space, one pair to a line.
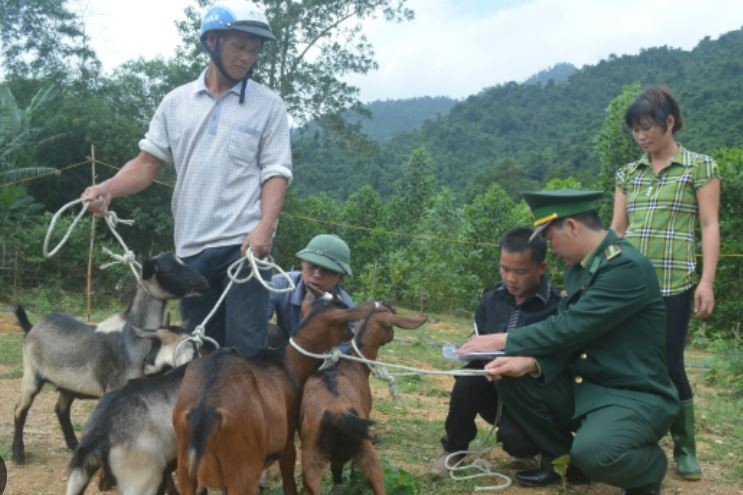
603,353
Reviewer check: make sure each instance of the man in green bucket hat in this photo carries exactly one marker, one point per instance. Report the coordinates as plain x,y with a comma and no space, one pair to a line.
325,261
611,398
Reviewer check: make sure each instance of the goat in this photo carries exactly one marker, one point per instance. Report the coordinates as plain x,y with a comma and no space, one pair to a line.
164,277
334,414
83,363
235,416
130,436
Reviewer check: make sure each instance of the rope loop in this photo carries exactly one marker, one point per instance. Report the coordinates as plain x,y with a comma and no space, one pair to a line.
379,372
199,337
256,266
53,223
478,463
333,357
111,220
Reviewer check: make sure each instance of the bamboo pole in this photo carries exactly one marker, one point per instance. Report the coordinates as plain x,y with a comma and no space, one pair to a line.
89,286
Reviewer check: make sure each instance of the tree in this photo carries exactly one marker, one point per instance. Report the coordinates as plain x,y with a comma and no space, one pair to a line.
486,218
728,289
18,137
614,143
368,241
318,43
43,39
415,190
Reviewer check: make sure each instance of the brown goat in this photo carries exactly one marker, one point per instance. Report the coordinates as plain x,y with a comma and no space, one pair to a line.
334,415
235,416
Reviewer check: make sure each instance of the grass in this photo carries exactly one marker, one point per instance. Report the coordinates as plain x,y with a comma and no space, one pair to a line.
409,432
10,356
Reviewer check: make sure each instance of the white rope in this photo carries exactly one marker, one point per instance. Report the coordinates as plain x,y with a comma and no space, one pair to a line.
199,332
481,466
379,370
257,265
198,337
409,370
55,218
111,220
128,257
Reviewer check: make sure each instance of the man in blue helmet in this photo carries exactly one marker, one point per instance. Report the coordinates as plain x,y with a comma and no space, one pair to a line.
228,140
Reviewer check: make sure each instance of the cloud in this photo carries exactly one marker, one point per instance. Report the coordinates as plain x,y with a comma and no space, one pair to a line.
444,51
455,47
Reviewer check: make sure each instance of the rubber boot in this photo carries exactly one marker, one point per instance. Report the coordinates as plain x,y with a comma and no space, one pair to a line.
684,445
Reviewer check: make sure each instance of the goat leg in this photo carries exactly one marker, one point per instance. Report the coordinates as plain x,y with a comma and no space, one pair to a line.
286,466
30,387
367,461
313,467
336,469
168,486
62,410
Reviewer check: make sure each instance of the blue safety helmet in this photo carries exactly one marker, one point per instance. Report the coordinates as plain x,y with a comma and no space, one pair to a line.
233,15
238,15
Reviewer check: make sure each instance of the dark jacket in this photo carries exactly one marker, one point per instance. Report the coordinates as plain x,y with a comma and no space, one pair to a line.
608,334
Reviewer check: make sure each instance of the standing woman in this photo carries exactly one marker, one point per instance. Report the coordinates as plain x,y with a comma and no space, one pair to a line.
657,201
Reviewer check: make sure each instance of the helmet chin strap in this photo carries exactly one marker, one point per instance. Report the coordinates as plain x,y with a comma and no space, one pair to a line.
217,59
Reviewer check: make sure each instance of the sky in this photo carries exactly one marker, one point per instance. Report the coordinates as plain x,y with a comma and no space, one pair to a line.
453,48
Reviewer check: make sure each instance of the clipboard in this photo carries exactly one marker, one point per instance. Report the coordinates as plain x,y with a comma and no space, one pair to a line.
450,352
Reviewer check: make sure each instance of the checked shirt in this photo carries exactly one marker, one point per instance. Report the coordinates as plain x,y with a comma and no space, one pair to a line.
662,214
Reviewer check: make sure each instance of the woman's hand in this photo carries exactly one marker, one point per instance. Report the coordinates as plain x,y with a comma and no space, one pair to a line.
704,300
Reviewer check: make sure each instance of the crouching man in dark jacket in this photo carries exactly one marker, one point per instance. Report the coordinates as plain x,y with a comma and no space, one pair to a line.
603,353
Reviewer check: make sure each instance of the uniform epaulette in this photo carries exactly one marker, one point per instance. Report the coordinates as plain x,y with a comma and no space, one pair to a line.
612,251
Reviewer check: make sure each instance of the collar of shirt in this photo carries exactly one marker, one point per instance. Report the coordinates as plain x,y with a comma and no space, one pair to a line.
599,248
200,85
542,294
681,157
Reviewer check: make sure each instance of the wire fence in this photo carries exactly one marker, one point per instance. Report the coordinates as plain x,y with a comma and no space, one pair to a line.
306,218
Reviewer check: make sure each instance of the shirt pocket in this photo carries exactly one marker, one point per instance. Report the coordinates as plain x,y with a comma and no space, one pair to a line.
244,143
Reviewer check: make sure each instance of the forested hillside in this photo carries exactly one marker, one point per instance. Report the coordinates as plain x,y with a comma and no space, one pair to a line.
422,211
389,118
557,73
545,131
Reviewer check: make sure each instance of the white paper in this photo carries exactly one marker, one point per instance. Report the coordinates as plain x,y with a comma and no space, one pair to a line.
450,352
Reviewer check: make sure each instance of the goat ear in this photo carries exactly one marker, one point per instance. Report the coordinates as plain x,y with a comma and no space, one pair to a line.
409,322
405,322
149,269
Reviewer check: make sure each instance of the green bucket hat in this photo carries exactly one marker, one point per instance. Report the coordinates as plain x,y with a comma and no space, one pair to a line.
328,251
551,205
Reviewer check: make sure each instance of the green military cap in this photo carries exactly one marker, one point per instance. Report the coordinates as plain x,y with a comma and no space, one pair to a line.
551,205
328,251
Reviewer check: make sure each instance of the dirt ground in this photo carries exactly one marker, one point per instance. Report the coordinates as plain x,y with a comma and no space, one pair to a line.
47,458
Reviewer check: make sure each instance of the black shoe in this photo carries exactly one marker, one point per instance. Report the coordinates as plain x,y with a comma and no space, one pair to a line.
645,490
542,477
537,477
